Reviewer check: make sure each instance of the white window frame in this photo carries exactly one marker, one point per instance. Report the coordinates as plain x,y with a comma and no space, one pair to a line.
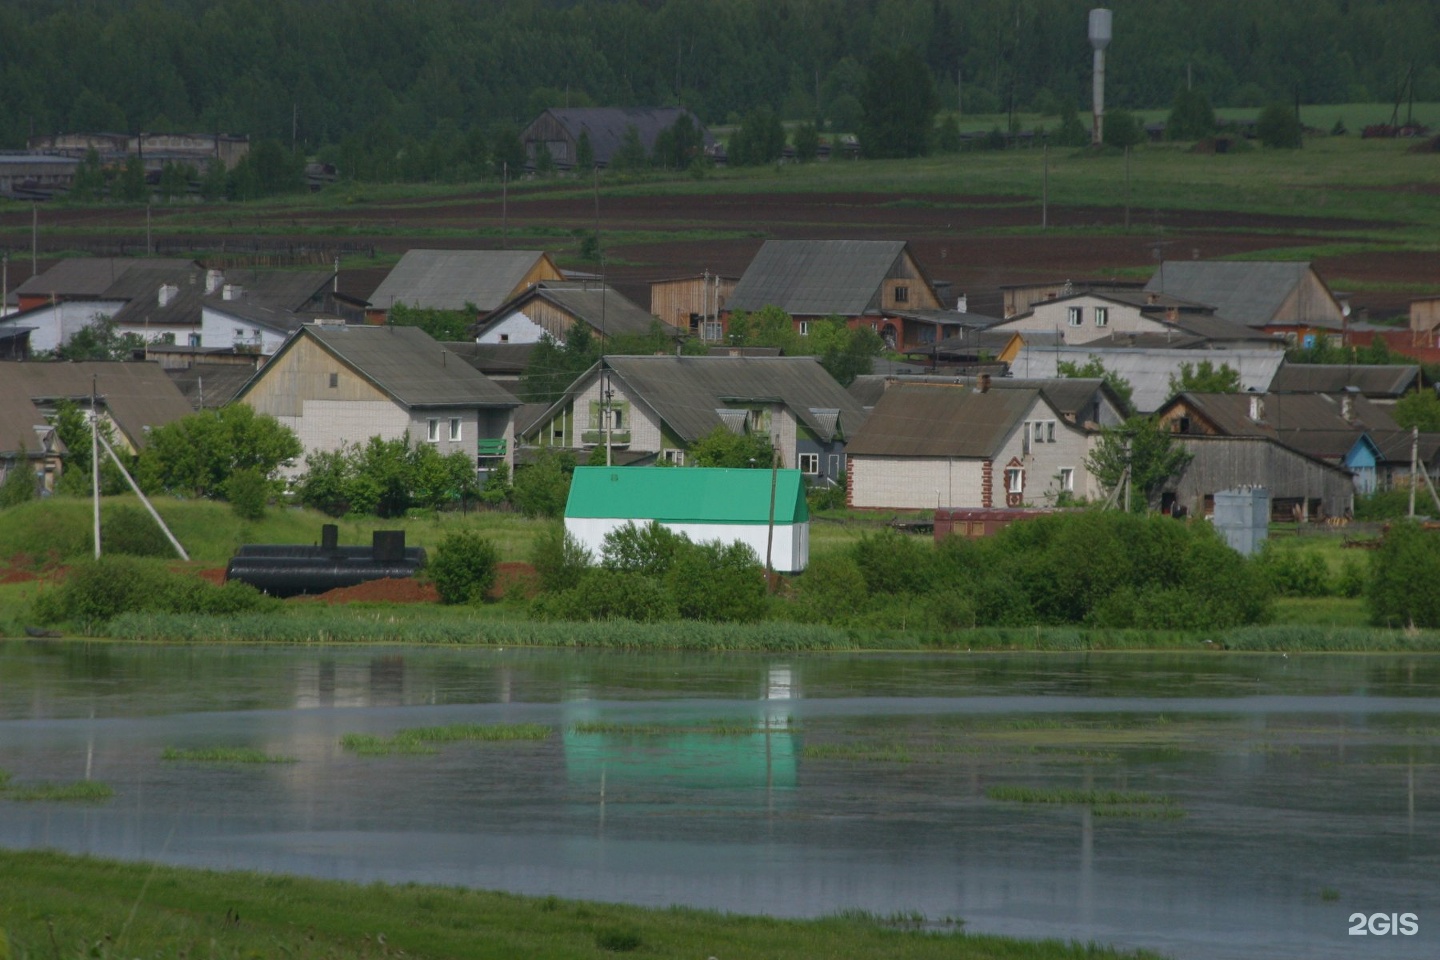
455,429
1014,480
810,464
1075,316
1049,431
432,430
804,328
1067,479
1102,316
676,457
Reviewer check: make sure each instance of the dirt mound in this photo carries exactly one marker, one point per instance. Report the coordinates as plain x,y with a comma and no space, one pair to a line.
515,579
389,590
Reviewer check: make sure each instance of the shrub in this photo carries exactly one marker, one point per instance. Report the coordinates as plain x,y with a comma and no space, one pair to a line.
892,563
19,485
1279,127
463,567
1383,505
720,582
131,531
1292,573
541,489
248,491
559,559
831,590
604,594
1401,574
96,591
648,549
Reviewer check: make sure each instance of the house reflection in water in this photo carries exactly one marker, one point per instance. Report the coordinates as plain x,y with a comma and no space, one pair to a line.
323,683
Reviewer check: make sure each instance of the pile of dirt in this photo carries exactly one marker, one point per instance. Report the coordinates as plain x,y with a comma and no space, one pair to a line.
389,590
515,580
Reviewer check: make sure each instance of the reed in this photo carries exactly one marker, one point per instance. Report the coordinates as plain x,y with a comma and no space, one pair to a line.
82,791
489,732
1092,798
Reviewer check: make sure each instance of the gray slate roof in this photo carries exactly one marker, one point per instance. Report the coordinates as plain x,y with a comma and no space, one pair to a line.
1073,397
449,279
208,386
93,277
601,306
686,392
941,420
138,396
1248,292
408,364
817,277
1287,413
493,359
606,126
1370,379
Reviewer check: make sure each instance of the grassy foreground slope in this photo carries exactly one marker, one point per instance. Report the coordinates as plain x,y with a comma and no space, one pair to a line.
63,907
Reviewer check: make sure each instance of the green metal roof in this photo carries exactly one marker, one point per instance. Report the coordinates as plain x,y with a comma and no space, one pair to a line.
686,495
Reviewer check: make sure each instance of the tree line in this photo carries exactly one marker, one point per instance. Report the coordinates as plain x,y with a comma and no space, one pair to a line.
315,73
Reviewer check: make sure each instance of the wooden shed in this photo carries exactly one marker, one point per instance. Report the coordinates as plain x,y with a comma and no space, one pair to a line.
692,304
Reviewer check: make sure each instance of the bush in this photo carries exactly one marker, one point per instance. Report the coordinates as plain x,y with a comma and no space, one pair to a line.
19,485
131,531
604,594
463,567
831,590
1383,505
892,563
1402,573
1292,573
248,491
542,488
1279,127
719,582
559,559
648,549
96,591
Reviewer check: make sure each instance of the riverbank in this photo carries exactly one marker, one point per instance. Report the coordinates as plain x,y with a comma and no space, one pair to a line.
64,906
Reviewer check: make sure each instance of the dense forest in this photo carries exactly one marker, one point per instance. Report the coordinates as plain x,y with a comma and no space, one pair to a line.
316,72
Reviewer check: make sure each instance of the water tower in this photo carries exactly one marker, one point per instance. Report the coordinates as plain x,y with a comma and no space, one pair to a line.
1099,40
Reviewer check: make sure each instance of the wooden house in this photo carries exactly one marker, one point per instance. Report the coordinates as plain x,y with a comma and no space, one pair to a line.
336,385
1288,298
459,280
692,305
1103,318
552,308
877,283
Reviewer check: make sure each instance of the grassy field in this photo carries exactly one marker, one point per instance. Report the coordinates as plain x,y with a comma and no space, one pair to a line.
61,907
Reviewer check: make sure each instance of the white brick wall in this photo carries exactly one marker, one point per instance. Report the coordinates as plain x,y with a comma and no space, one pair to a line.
331,424
916,483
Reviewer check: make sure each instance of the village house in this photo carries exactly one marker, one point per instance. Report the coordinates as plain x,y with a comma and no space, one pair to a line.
256,311
336,385
133,398
480,280
552,307
1286,298
877,283
692,305
558,131
1127,317
72,295
945,445
658,406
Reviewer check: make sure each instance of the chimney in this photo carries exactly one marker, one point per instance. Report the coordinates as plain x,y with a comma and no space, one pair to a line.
232,291
1151,298
1257,408
213,279
1347,407
167,293
962,304
984,383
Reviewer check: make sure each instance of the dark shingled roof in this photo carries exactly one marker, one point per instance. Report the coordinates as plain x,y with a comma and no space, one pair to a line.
1371,380
1073,397
449,279
685,392
940,420
1245,291
1286,413
606,126
817,277
210,385
493,359
406,363
138,396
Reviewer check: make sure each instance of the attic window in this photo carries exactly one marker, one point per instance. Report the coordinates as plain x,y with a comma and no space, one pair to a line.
334,380
1102,316
1075,315
902,294
504,338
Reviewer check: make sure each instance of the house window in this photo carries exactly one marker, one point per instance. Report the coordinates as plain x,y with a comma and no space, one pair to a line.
1102,316
1049,431
1076,315
676,457
504,338
617,418
334,380
902,294
1014,480
835,467
432,431
239,333
194,339
454,428
804,328
557,431
1067,479
810,464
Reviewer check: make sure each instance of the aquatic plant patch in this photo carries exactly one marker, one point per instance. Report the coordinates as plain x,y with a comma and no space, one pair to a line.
1093,798
714,728
369,745
82,791
490,732
223,755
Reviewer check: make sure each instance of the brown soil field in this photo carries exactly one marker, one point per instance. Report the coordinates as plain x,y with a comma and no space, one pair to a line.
952,235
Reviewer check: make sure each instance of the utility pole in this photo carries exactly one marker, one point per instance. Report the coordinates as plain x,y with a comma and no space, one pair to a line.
1414,456
34,237
95,467
770,529
1045,190
149,249
504,204
1127,186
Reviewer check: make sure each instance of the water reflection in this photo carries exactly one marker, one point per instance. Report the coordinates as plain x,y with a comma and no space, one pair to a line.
794,786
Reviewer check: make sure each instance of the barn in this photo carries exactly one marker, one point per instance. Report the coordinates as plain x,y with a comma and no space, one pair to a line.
703,503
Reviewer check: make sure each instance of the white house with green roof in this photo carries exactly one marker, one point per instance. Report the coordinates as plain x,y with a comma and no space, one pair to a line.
703,503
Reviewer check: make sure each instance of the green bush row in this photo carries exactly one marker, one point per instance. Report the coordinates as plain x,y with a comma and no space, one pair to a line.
97,591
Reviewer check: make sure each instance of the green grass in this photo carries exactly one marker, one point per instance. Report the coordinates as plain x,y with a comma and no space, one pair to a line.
420,741
714,728
223,755
69,907
83,791
1090,798
369,745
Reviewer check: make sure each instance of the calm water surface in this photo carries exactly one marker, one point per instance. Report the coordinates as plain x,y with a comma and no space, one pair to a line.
1283,794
